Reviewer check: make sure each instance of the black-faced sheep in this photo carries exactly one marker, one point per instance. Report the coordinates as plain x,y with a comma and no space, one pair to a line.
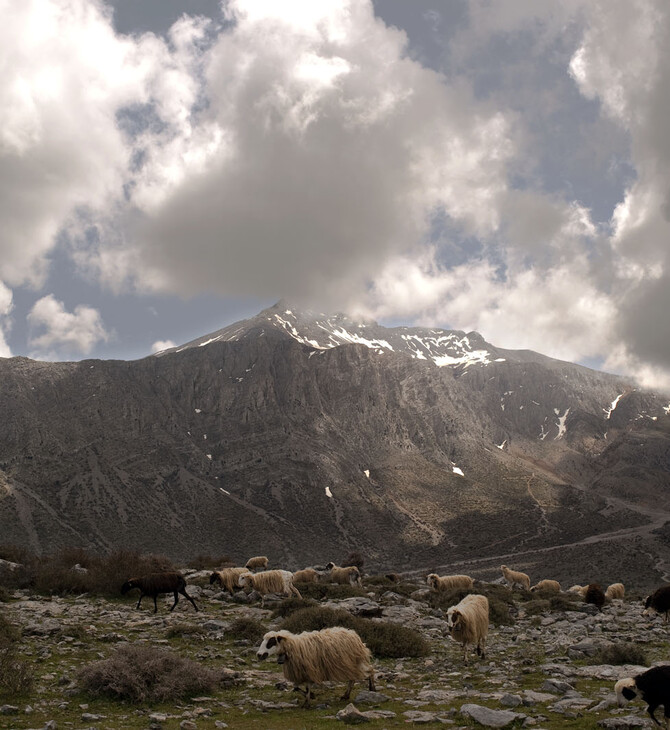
270,581
260,562
652,686
155,583
658,602
615,591
312,657
515,577
595,595
468,623
307,575
449,582
550,586
349,574
227,578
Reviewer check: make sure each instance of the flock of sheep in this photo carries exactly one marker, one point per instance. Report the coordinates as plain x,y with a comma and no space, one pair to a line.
339,655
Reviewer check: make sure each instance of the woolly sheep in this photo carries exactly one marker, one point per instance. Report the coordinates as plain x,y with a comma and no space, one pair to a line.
449,582
155,583
227,578
312,657
307,575
260,562
515,577
658,602
595,595
652,686
547,585
468,623
615,591
349,574
578,589
270,581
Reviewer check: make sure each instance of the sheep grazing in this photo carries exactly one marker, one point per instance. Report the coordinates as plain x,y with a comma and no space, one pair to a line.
468,623
313,657
349,574
615,591
652,686
270,581
393,577
578,589
449,582
156,583
515,577
307,575
547,585
260,562
595,595
658,602
227,578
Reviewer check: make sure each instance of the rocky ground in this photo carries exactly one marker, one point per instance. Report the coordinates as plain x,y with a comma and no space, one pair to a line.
542,669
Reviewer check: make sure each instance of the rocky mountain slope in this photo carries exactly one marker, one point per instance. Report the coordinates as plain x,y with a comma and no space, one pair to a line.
292,434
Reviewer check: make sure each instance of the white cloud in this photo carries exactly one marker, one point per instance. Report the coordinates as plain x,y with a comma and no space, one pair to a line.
6,306
161,345
56,331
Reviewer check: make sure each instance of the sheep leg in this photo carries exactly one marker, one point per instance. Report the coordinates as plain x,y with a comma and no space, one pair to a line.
155,604
140,601
185,594
295,591
347,693
371,681
651,709
176,600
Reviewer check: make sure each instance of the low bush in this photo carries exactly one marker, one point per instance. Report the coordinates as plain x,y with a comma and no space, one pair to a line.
247,628
536,607
183,628
623,652
145,674
291,605
383,638
16,676
328,591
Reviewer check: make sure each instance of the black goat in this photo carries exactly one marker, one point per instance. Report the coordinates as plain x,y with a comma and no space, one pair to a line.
658,602
155,583
652,686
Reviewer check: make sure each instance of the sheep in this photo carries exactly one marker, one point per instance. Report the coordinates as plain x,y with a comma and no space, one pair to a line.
312,657
260,562
595,595
227,578
349,574
515,577
449,582
547,585
615,591
393,577
155,583
652,686
270,581
658,602
307,575
468,622
578,589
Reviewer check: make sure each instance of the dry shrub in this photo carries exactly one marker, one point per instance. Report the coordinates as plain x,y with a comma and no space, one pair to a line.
329,591
536,607
291,605
16,676
183,628
210,562
383,638
247,628
623,652
146,674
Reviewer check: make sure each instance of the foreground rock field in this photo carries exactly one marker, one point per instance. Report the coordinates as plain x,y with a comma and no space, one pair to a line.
543,668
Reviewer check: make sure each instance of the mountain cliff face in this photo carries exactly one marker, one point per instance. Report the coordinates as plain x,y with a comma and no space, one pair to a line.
305,437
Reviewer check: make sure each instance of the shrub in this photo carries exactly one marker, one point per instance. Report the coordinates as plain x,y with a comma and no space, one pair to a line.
182,628
384,639
319,591
291,605
247,628
565,602
621,653
536,607
16,676
145,674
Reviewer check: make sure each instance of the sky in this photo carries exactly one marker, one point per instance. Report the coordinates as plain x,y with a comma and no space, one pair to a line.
170,166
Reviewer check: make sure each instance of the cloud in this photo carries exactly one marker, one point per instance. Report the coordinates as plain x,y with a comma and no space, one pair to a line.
6,306
161,345
64,332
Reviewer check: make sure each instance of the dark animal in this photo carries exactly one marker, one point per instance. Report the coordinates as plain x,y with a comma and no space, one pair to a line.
155,583
652,686
658,602
595,595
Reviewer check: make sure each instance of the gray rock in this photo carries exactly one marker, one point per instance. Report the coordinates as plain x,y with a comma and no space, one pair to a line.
438,696
622,723
490,718
510,700
571,704
358,606
8,710
556,685
365,697
530,697
420,717
351,715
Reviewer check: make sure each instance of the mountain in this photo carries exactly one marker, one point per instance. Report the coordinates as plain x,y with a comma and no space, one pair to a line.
306,436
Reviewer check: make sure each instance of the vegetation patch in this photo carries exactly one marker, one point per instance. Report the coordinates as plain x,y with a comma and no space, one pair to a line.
622,652
16,676
291,605
329,591
247,628
183,628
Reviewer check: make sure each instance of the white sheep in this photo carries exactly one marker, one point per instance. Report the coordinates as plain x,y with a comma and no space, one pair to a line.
515,577
260,562
227,578
578,589
313,657
468,623
270,581
615,591
449,582
548,585
348,574
307,575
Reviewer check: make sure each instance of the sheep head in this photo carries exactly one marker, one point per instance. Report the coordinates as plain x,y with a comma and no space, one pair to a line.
272,644
626,690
